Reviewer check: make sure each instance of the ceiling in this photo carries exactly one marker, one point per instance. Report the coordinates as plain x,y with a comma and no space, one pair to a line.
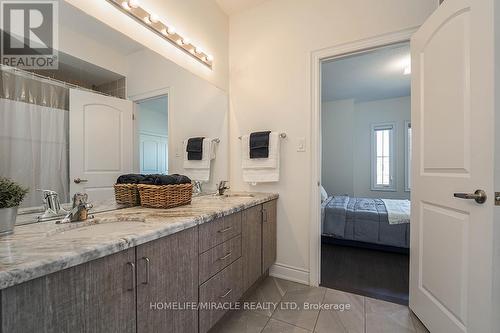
232,7
368,76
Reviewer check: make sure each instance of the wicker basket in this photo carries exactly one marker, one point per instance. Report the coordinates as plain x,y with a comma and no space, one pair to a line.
127,194
165,196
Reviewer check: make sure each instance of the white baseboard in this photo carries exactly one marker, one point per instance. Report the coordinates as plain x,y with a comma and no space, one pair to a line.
290,273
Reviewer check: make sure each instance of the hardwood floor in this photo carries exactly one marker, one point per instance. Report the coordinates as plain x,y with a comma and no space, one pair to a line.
367,272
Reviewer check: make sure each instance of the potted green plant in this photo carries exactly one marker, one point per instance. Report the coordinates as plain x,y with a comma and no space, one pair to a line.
11,196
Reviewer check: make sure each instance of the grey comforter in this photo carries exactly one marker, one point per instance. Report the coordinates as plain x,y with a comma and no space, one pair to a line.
364,220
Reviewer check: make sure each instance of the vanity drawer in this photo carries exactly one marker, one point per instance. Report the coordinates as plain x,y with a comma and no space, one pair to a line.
215,259
217,232
223,288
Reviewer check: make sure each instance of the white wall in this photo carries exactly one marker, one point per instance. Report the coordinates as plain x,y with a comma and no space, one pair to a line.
396,110
270,52
337,131
153,116
203,22
346,145
196,108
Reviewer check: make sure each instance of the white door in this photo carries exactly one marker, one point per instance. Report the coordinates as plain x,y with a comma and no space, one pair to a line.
101,142
451,273
153,152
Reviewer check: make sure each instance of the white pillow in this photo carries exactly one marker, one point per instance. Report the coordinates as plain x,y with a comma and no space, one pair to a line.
324,194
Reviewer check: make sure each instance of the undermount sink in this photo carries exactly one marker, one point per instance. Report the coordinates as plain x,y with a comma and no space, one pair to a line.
96,226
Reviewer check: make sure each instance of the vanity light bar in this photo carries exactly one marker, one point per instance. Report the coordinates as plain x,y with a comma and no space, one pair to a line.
154,23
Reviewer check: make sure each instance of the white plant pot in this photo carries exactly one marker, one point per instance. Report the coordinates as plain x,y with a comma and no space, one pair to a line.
7,220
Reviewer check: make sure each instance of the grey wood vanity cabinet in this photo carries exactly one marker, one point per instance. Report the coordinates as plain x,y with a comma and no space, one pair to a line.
93,297
269,234
167,274
130,291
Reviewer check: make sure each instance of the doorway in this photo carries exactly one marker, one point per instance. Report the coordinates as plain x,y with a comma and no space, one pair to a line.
152,134
365,184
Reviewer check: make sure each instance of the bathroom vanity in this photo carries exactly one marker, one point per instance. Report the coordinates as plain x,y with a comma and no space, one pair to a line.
137,269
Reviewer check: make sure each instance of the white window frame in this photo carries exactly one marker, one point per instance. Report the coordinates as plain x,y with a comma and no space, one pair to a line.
407,157
392,187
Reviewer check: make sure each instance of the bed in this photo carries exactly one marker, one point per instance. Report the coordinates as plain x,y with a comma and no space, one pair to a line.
373,221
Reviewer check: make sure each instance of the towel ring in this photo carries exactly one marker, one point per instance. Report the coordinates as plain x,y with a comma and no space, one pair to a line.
282,135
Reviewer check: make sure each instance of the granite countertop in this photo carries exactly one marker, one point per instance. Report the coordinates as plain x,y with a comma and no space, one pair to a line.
42,248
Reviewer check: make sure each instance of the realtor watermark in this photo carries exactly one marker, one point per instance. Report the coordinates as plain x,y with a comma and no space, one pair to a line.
29,33
267,306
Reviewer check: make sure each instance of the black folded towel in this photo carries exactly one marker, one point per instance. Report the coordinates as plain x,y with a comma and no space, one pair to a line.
259,144
130,179
195,149
165,180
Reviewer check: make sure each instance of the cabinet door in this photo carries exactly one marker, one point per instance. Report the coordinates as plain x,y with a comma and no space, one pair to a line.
251,245
269,234
97,296
167,276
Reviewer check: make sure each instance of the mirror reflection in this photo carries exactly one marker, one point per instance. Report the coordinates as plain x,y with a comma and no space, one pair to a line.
76,128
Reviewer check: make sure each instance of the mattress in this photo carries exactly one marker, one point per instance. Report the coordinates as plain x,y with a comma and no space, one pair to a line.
363,220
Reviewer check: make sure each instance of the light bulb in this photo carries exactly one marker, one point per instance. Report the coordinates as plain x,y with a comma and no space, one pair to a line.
154,18
171,30
125,5
164,32
133,3
186,41
147,20
198,50
210,58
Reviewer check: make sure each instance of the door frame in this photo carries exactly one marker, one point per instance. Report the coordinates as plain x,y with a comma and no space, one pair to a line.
316,58
167,91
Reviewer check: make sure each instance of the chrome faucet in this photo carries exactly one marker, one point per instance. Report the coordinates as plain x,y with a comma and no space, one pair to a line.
51,205
197,187
222,187
80,210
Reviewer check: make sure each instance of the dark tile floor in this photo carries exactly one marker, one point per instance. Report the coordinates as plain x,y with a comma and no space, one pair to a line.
371,273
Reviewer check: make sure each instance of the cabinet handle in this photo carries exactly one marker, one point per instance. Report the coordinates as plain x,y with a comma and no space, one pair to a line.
225,257
146,259
225,230
132,270
264,215
226,294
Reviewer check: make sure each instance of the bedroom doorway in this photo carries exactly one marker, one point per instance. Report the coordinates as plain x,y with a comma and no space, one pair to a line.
365,172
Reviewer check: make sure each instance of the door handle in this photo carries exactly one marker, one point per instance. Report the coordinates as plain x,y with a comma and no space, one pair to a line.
146,259
132,273
479,196
78,180
226,293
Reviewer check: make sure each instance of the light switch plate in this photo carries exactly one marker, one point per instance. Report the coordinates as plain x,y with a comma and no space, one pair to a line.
301,145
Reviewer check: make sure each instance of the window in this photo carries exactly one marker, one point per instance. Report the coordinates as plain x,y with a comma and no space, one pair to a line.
383,157
408,156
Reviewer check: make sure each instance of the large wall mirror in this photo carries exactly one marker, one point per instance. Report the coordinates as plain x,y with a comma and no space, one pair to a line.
112,107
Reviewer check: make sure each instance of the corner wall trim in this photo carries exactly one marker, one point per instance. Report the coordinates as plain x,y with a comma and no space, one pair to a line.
289,273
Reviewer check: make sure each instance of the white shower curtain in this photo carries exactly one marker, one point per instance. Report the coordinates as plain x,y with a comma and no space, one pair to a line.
34,148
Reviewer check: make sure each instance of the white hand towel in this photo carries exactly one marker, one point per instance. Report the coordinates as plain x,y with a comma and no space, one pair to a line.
200,169
261,170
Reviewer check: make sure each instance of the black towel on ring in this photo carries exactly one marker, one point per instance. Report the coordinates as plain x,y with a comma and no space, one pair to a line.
259,144
195,149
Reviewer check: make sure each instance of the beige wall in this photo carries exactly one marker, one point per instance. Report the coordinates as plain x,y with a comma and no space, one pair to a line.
203,22
270,53
196,108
